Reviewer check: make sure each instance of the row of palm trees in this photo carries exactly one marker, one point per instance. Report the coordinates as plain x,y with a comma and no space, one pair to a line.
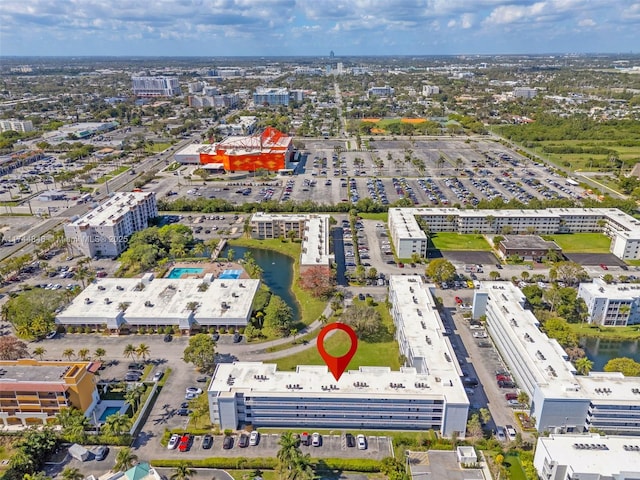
84,354
142,351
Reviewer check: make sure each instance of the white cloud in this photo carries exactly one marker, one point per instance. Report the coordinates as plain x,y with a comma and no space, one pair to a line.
586,22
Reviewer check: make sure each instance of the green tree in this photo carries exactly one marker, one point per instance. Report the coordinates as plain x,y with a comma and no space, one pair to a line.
627,366
99,354
201,351
364,319
125,459
74,424
32,312
83,354
393,468
116,424
523,398
143,351
68,353
39,352
474,427
183,472
129,351
278,317
485,415
583,365
440,270
72,473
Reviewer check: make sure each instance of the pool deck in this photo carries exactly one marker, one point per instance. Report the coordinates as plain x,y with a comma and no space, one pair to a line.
209,267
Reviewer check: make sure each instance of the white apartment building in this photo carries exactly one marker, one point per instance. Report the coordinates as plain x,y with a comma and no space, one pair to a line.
428,394
408,237
385,91
428,90
271,96
245,125
592,457
105,230
615,305
312,229
226,100
524,92
20,126
155,86
561,400
188,303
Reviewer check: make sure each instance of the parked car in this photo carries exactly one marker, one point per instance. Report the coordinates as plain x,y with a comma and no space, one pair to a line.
511,396
350,440
136,366
316,439
158,376
362,442
500,434
254,438
183,412
207,441
51,335
305,439
202,379
185,443
173,441
227,443
506,384
168,337
237,337
101,453
510,431
243,441
196,390
215,336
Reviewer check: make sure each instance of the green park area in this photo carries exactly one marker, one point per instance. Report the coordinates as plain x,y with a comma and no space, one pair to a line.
113,173
456,241
581,242
381,351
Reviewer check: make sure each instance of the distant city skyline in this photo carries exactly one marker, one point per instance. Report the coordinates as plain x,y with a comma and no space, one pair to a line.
314,28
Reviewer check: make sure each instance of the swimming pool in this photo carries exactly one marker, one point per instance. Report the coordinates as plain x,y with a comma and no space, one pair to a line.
108,412
230,274
178,272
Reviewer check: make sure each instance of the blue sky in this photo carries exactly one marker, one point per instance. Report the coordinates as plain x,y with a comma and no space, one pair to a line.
315,27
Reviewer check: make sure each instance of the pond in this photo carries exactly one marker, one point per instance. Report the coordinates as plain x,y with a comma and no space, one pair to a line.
600,351
278,272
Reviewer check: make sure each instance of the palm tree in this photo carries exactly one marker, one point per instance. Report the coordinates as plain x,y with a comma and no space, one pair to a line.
143,351
68,353
83,354
71,473
125,459
302,469
99,354
288,451
116,424
132,397
523,398
129,351
183,472
39,352
584,365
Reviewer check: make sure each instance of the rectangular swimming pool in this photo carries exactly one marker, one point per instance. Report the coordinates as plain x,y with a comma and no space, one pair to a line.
230,274
178,272
108,412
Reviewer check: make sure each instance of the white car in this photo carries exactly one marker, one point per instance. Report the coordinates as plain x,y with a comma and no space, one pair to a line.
194,390
173,441
316,440
511,432
362,442
500,434
254,438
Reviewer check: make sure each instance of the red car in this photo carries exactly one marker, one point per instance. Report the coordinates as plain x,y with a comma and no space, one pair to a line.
458,300
185,443
503,378
511,396
603,266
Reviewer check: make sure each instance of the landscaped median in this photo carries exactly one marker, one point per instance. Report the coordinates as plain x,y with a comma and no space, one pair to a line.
310,307
319,464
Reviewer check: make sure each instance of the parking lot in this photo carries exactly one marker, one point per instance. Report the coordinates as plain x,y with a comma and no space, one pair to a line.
332,446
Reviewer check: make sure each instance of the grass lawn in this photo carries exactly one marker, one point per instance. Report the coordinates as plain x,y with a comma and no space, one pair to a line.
515,467
609,333
581,242
382,216
310,307
371,354
457,241
157,147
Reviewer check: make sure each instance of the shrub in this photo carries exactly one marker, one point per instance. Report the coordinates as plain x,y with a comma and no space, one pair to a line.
222,330
232,330
241,330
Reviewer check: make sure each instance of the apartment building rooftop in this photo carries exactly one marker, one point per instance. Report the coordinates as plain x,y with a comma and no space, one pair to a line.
424,334
163,300
112,210
311,380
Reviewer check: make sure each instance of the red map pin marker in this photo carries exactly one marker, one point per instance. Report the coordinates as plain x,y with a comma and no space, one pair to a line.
337,365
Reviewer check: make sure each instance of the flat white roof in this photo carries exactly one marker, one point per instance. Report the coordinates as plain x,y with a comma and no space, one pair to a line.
609,462
163,298
546,358
423,331
405,225
196,149
111,210
600,289
374,382
315,243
